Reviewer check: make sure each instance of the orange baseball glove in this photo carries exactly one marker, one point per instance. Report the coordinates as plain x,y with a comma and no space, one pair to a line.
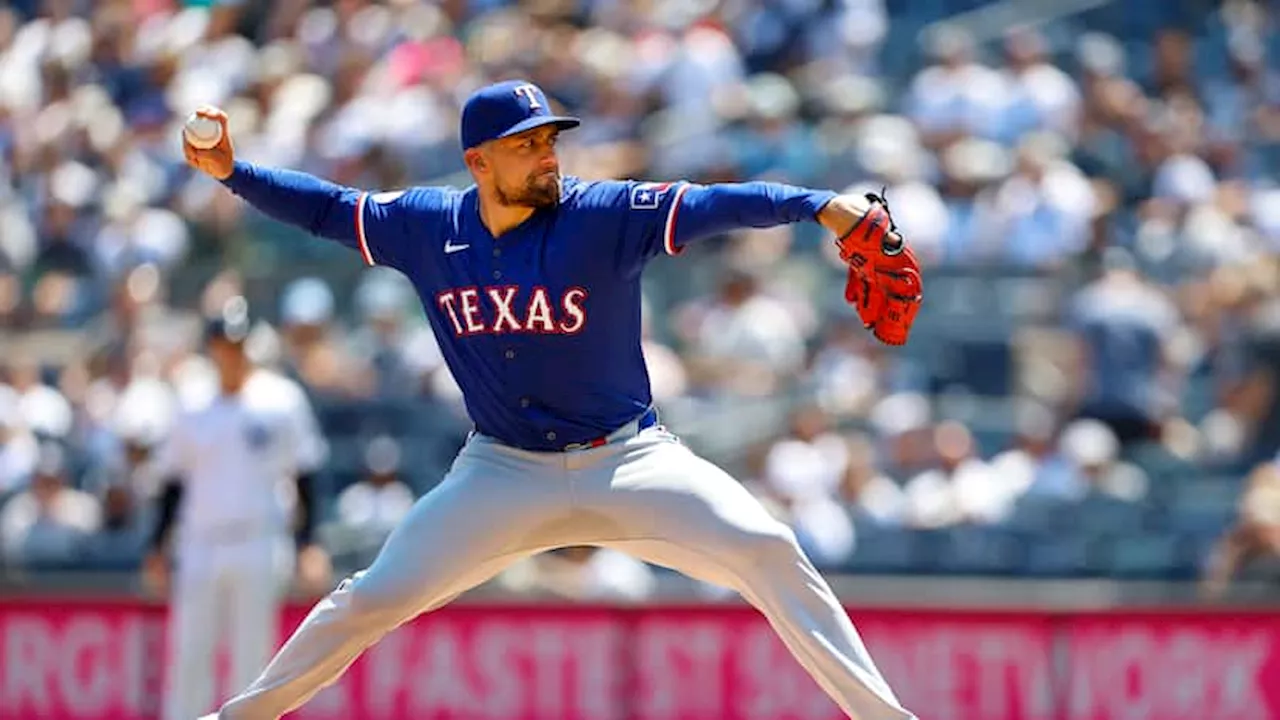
884,276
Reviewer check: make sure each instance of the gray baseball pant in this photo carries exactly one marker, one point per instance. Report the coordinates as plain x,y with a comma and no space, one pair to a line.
643,493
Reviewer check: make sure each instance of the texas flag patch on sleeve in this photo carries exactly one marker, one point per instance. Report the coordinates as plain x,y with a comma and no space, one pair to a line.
648,196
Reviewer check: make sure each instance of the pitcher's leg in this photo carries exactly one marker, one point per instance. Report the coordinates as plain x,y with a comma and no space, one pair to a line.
483,517
685,513
809,621
340,627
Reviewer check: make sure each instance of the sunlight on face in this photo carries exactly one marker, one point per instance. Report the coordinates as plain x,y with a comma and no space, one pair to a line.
525,168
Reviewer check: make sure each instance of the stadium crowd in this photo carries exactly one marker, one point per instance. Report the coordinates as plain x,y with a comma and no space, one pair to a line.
1098,358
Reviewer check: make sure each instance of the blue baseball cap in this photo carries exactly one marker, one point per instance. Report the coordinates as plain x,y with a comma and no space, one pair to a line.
507,108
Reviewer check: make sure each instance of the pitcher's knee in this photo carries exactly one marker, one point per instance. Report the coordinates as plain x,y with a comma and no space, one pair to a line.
363,600
766,547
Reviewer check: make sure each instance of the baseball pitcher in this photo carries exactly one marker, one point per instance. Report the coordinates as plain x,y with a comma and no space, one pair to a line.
531,283
236,469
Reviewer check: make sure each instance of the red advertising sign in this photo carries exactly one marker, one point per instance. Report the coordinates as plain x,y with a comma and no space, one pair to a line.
106,661
1171,667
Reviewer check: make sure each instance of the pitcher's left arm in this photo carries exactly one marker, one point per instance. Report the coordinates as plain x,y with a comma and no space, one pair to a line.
883,284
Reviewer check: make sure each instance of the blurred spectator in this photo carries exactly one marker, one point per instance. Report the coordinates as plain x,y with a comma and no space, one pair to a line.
1047,97
960,488
809,462
872,497
803,473
1042,212
862,26
1171,70
11,303
700,69
958,96
971,170
741,341
581,574
19,451
1114,110
311,351
135,234
903,424
1245,104
382,341
368,510
1123,326
846,378
48,525
121,541
667,377
137,315
40,407
1092,450
1249,405
1034,463
1255,534
771,144
121,449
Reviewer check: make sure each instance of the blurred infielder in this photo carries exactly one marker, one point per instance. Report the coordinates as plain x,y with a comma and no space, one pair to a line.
531,283
231,466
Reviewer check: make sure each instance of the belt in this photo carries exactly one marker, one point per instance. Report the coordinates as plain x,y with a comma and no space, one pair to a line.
644,422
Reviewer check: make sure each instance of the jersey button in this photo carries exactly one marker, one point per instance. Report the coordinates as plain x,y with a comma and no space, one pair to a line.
497,274
510,354
551,435
524,402
497,252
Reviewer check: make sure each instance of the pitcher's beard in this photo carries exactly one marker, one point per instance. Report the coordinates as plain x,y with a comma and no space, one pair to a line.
538,192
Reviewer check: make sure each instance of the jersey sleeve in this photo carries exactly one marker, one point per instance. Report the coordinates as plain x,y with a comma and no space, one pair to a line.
393,227
387,228
655,217
639,214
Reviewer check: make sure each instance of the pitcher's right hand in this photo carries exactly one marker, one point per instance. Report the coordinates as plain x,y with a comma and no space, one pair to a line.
219,160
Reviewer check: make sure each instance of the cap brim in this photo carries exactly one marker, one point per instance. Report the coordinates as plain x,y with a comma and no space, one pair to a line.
561,121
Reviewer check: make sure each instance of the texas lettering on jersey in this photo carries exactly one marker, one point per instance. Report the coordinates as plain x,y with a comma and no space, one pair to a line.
500,309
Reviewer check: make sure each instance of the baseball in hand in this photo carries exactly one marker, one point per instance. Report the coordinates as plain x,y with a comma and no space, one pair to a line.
202,132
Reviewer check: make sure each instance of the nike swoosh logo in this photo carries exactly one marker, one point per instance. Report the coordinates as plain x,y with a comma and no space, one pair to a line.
451,248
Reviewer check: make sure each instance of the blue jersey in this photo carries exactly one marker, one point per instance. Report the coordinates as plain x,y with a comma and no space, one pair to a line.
540,327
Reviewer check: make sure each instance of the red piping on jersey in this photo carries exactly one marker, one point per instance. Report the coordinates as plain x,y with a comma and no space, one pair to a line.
669,232
360,237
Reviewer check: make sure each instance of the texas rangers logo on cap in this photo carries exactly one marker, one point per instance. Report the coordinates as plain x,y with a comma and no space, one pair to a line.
507,108
530,92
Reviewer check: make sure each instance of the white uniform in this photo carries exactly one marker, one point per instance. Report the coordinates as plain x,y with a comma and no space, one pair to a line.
237,458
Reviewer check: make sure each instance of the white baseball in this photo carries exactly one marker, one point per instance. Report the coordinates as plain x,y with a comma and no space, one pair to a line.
202,132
